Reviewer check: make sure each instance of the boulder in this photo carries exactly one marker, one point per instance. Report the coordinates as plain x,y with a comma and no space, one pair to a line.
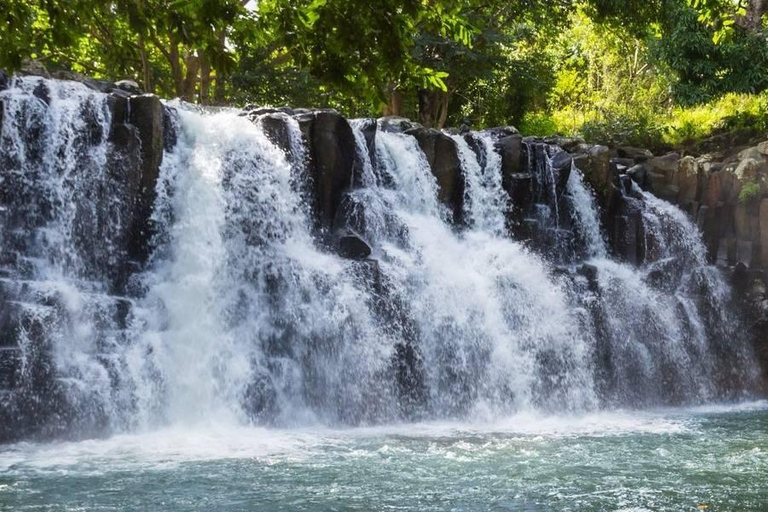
104,86
747,170
275,127
443,157
751,153
562,163
510,149
351,245
4,80
639,175
499,132
128,86
762,148
639,155
688,180
597,169
663,175
34,67
567,143
395,124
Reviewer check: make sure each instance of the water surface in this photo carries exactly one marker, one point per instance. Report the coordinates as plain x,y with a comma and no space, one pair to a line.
673,459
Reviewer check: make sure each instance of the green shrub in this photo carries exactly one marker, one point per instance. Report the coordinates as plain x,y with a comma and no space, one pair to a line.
621,127
538,123
750,193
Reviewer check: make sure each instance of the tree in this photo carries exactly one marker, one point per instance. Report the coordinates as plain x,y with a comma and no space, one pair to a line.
172,46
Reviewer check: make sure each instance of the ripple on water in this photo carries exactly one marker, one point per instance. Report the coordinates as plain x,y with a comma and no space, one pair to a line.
658,460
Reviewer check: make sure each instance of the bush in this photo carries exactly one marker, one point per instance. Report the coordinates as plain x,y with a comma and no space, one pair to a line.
750,193
618,127
538,123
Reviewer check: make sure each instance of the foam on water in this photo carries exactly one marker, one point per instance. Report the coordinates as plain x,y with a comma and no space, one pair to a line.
168,448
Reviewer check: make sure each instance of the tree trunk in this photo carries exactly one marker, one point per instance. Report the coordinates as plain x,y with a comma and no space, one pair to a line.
219,94
146,72
192,63
205,79
753,18
755,11
395,105
173,59
433,108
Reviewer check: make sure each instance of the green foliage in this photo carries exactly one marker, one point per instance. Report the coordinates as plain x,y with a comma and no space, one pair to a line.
642,72
538,124
638,128
750,193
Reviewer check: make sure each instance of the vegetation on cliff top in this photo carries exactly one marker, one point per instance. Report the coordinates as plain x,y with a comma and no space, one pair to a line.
644,72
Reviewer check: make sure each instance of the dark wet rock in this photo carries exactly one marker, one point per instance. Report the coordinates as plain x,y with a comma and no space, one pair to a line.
639,175
146,114
41,91
4,80
368,127
590,273
104,86
638,155
128,86
510,148
596,169
567,143
443,157
662,175
118,106
331,148
351,245
394,124
275,126
170,127
499,132
562,163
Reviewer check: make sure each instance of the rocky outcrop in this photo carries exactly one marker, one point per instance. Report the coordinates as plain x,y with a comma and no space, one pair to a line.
109,206
331,158
725,193
351,245
146,114
443,157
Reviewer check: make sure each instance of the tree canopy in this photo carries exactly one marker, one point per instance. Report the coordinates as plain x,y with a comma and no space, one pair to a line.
440,61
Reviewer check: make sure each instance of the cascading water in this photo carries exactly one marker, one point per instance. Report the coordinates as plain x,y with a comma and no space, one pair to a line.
486,201
63,236
243,313
663,330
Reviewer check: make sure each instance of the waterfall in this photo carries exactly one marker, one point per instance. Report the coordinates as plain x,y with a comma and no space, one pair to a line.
585,215
486,201
245,313
62,229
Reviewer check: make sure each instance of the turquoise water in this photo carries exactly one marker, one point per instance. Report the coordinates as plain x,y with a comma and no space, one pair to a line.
685,459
